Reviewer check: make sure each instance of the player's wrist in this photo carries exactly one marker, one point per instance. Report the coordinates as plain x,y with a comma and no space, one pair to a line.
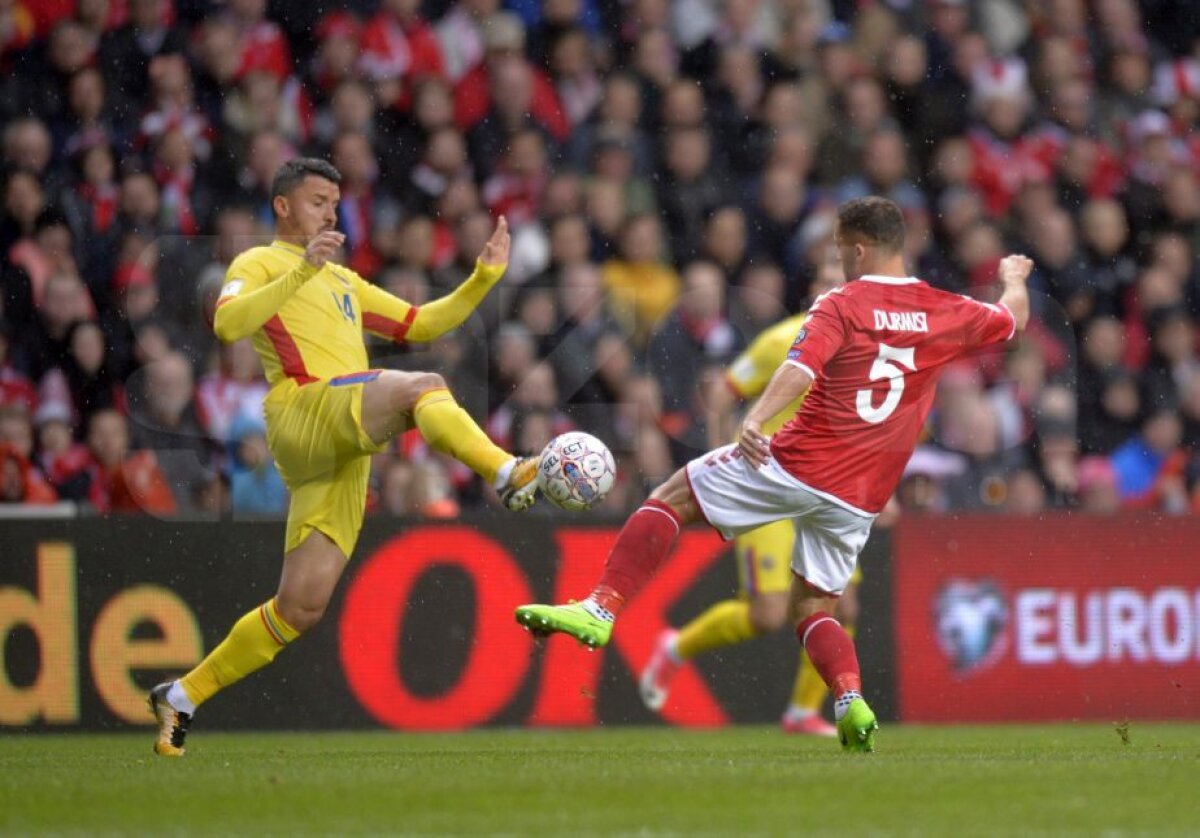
488,271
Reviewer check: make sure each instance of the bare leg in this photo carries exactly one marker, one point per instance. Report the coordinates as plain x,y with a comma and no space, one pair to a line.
388,401
310,574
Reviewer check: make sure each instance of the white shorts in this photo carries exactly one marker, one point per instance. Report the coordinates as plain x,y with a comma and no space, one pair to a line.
735,497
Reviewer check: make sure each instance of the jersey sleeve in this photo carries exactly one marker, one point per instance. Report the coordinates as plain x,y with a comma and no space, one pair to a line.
440,316
985,323
384,314
822,334
749,373
250,296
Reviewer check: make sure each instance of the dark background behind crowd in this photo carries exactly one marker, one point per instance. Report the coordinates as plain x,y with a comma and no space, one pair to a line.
670,171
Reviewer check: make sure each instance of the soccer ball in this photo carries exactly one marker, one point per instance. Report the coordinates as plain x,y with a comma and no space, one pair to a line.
576,471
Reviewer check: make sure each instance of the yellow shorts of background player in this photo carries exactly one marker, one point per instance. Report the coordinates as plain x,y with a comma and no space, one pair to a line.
764,560
315,434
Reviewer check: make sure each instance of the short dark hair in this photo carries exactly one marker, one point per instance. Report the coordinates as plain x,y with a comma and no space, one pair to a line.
292,173
876,219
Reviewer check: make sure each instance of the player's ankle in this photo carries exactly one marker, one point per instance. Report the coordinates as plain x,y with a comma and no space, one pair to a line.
503,473
842,703
179,700
607,598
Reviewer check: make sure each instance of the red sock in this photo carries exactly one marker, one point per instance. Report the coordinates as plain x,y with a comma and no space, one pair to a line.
832,652
644,541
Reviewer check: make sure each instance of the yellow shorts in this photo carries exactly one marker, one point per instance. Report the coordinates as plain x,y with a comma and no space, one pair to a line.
324,456
764,559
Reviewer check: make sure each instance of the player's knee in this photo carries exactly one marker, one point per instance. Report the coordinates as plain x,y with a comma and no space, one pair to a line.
768,613
675,492
800,608
847,607
405,388
301,616
427,381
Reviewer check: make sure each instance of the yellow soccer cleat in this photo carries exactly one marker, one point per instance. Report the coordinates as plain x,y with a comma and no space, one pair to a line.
520,490
172,724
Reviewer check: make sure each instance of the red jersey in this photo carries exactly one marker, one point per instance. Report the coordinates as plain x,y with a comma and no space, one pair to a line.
875,349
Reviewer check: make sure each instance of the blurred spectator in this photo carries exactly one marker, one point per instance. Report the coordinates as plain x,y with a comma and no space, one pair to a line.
120,480
781,204
461,34
126,52
537,392
695,336
233,392
16,390
92,379
691,189
339,37
20,481
264,47
584,321
255,485
398,48
62,460
1024,493
164,417
1098,486
515,187
505,70
1149,467
65,302
641,284
574,72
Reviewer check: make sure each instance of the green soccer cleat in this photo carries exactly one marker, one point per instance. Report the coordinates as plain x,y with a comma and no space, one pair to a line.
857,728
572,619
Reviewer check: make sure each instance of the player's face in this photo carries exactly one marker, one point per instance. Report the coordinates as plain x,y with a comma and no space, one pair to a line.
311,207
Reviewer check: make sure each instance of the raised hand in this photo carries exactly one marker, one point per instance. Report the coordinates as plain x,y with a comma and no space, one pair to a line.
495,252
1015,268
322,246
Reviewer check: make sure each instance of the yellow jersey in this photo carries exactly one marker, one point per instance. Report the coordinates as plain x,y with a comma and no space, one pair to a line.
308,322
751,371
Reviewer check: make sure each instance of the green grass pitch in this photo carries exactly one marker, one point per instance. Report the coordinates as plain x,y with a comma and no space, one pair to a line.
944,780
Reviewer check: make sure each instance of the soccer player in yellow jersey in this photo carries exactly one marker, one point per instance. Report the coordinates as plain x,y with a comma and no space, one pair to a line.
763,555
327,413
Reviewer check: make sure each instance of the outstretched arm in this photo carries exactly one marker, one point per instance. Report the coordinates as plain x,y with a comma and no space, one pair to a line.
391,317
250,297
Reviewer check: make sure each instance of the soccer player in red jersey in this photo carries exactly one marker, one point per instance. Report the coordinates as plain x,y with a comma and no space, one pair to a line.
871,352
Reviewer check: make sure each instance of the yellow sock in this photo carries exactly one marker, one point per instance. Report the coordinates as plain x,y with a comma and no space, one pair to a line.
252,643
451,430
725,624
810,690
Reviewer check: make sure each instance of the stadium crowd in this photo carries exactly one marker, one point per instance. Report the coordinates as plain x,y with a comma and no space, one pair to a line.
669,170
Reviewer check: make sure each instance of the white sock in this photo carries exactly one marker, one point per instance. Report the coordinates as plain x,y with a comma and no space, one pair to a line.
797,713
598,611
502,474
842,703
673,651
179,700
